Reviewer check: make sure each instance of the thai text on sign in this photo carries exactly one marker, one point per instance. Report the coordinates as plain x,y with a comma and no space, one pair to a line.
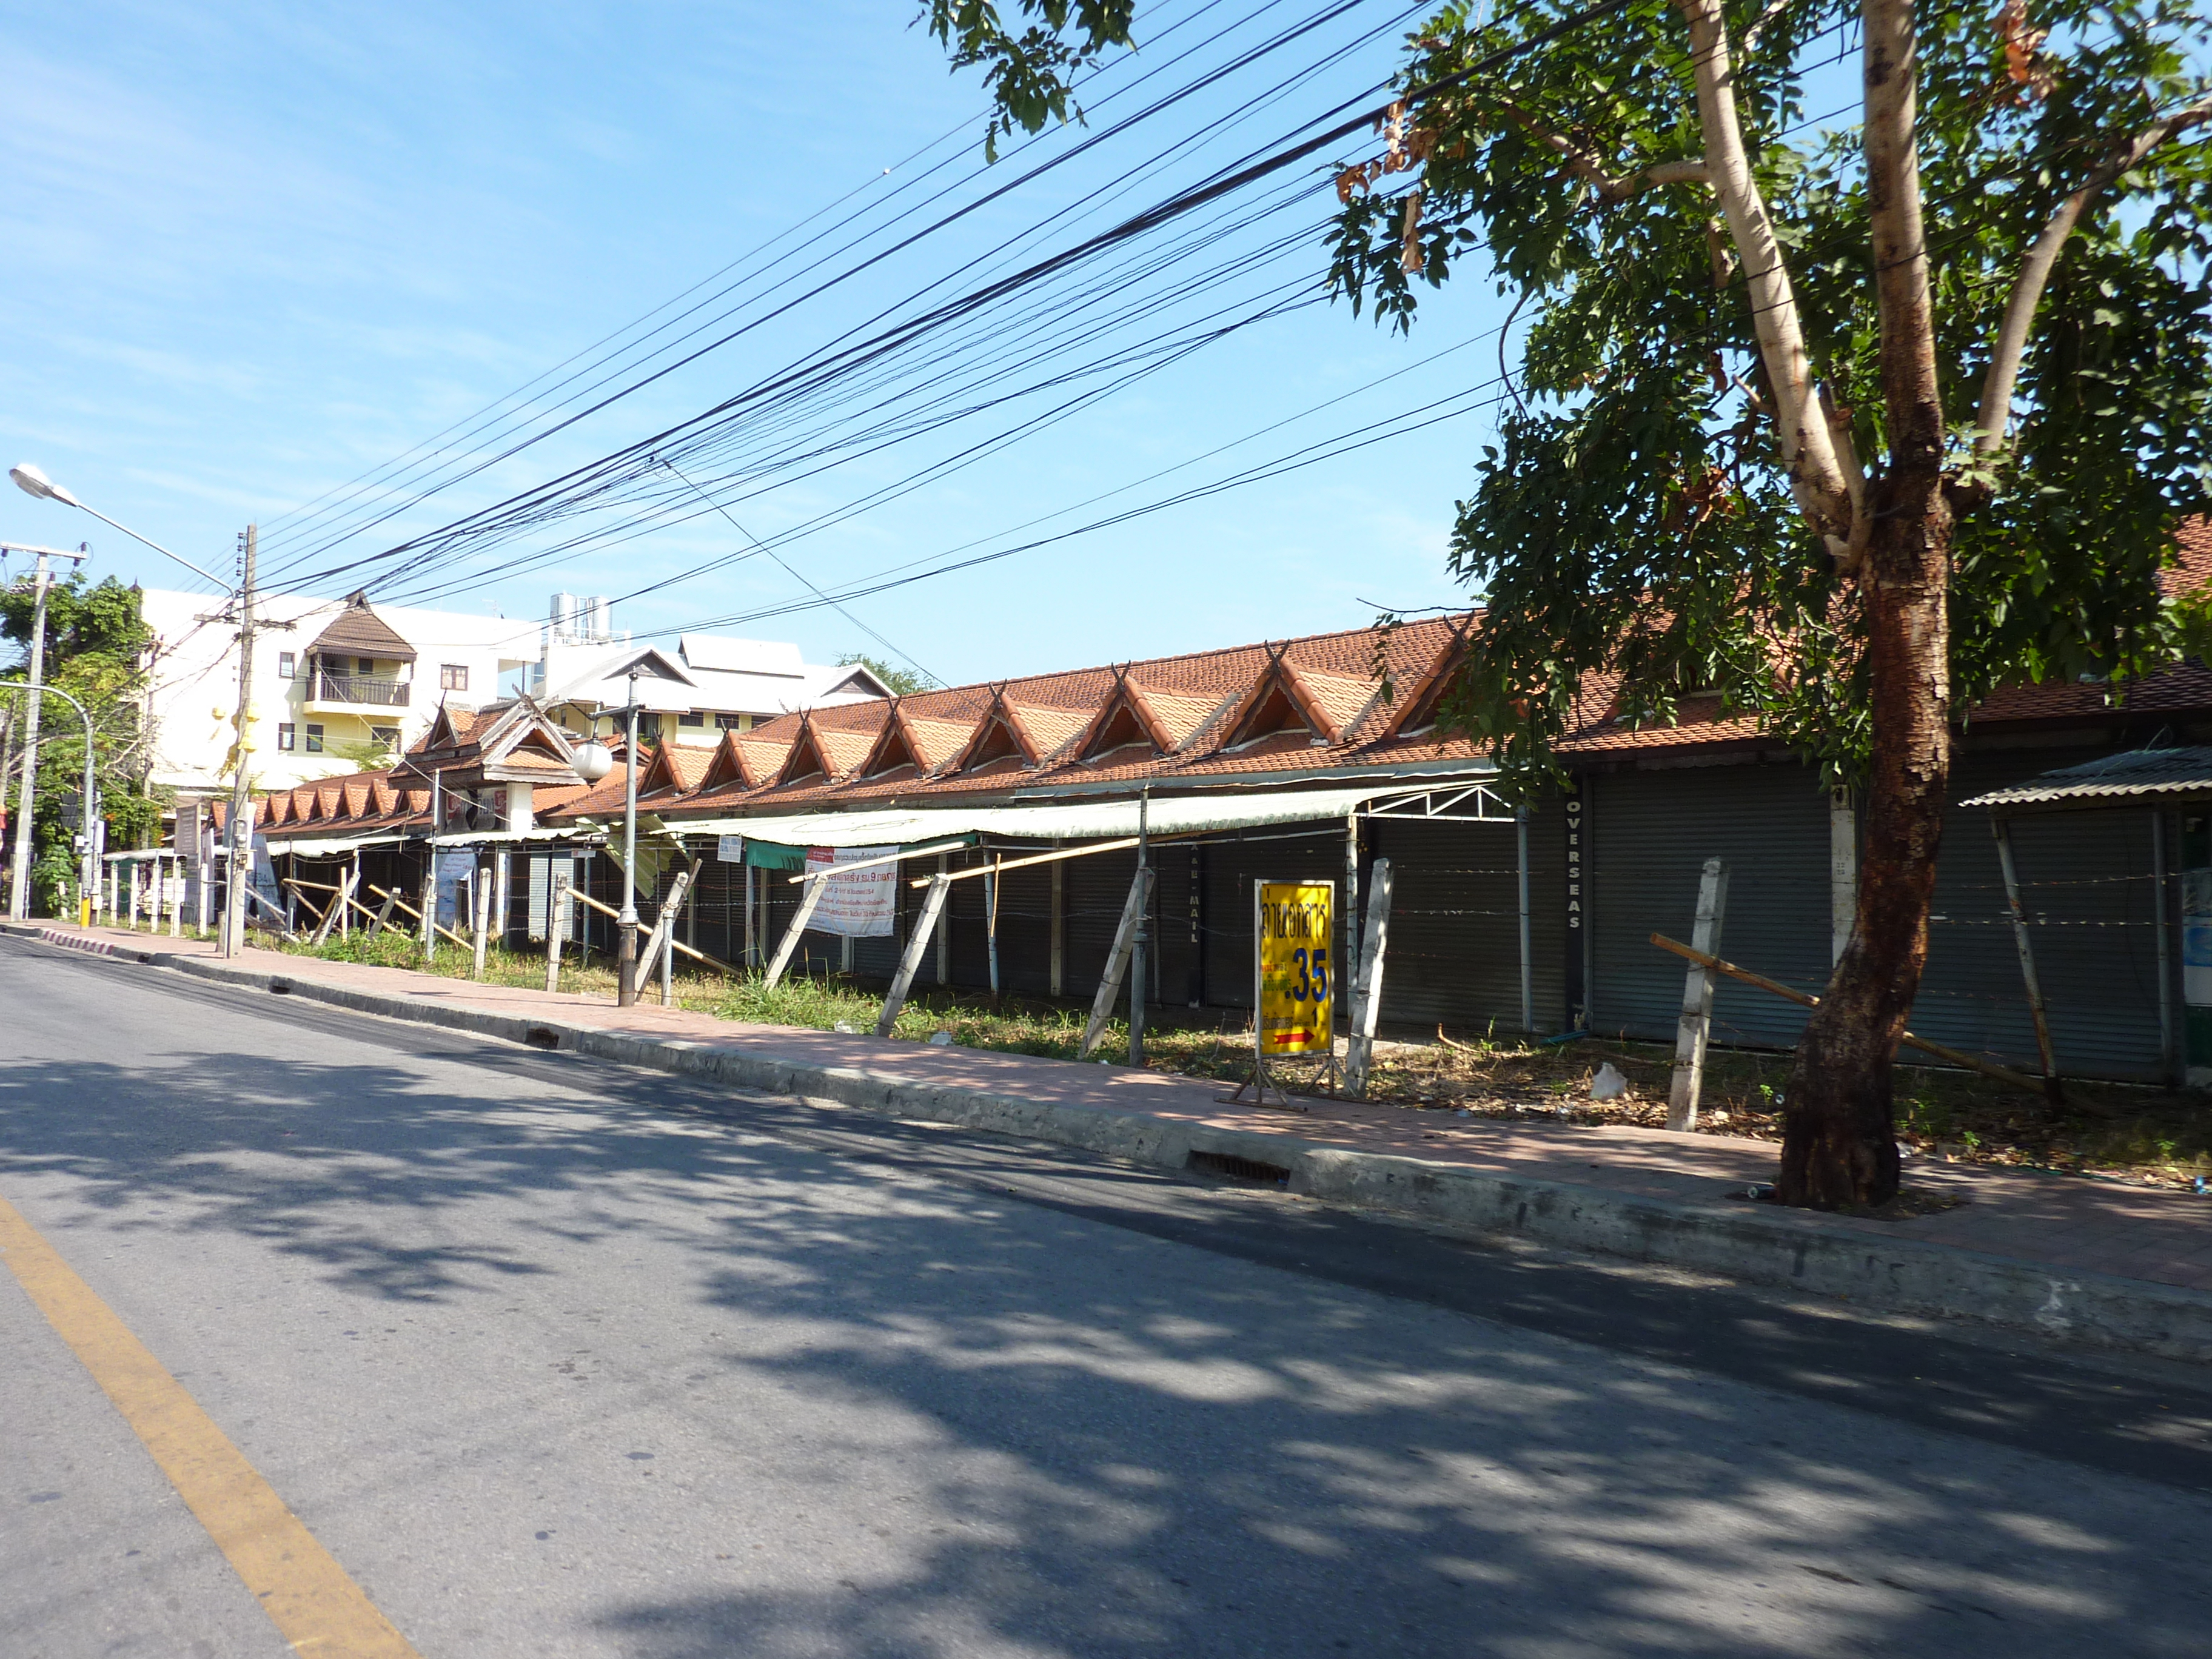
858,903
1293,927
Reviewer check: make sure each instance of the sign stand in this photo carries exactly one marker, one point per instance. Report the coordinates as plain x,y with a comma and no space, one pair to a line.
1294,989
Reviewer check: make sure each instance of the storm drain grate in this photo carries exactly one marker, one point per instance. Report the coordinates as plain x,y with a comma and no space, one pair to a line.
537,1037
1230,1167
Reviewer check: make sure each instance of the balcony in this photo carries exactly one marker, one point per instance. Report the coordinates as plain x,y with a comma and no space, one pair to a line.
326,690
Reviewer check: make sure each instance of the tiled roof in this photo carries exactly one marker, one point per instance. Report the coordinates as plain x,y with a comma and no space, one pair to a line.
1313,704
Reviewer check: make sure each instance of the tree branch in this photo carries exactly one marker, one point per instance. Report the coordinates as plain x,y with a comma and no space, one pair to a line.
1809,451
2043,257
1609,188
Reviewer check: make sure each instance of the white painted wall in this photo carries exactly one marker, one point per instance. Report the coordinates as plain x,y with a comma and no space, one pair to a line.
194,690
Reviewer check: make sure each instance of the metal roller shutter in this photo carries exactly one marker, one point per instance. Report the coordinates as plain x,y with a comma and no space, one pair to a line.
1455,952
2086,884
1649,836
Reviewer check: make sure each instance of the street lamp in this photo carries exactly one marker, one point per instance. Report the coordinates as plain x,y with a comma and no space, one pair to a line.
32,481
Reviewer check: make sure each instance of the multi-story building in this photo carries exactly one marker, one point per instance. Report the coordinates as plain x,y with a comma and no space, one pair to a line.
340,684
706,686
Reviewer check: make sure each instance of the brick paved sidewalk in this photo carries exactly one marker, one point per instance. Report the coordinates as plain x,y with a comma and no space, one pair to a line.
2069,1223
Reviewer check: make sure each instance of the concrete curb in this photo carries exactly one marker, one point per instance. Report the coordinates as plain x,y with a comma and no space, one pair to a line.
1784,1251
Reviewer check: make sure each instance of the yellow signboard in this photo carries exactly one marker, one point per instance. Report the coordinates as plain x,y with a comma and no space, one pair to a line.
1293,928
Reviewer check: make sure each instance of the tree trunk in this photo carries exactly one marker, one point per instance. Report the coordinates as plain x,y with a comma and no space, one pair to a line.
1839,1145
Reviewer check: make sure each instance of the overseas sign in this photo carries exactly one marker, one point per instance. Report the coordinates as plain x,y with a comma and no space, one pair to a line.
1292,928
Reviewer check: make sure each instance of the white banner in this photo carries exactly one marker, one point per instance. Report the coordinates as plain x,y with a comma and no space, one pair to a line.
729,849
857,904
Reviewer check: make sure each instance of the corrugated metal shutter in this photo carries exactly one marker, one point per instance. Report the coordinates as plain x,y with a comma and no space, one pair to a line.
1650,835
2086,884
1096,892
1455,952
1231,867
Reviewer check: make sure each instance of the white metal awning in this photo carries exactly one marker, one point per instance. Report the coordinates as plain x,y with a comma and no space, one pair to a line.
1173,815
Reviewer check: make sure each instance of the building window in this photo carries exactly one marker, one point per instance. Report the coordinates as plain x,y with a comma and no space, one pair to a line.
284,735
453,676
367,665
648,727
693,719
314,739
387,736
287,665
733,722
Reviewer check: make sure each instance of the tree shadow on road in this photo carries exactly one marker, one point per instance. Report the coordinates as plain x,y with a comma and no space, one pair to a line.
1066,1438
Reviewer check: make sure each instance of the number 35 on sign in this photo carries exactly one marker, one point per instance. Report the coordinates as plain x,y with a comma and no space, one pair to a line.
1293,927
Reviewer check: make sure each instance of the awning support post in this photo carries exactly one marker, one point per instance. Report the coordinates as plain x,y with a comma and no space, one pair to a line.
808,897
932,907
991,925
1528,956
1059,928
2168,1050
1117,961
1349,966
2036,1010
1367,989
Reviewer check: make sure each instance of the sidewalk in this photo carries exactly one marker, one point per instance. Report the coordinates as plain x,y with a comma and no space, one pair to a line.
2079,1259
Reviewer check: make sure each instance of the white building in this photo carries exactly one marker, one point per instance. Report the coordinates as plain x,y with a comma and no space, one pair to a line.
337,681
333,681
708,686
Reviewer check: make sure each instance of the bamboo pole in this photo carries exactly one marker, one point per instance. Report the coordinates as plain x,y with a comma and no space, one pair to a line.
1789,994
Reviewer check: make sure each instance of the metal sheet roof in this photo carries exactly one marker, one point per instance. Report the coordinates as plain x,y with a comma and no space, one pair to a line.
1079,821
2137,776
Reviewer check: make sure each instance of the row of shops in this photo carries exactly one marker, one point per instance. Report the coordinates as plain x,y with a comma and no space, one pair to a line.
1279,762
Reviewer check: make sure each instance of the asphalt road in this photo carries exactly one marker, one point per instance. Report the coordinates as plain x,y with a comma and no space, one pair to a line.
560,1358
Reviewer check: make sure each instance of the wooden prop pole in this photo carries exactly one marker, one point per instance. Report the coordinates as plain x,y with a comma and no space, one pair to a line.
1117,961
664,925
809,896
2002,831
932,907
1790,993
1695,1027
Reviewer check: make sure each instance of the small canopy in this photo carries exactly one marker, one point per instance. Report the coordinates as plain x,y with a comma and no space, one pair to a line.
358,631
1114,818
2139,777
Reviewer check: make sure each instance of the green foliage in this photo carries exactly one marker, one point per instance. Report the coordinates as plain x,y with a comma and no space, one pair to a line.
1031,69
1633,518
903,681
94,648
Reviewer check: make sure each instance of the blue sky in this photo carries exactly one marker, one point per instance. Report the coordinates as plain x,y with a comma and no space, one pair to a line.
256,251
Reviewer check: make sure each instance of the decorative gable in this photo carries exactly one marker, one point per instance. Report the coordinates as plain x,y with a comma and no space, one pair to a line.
1419,699
729,767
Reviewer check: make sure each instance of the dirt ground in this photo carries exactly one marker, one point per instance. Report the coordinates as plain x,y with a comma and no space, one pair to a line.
2109,1131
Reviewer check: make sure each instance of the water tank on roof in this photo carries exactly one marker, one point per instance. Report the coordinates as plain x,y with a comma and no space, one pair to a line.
564,616
603,617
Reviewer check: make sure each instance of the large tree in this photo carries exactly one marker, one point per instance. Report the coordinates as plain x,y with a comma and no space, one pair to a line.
1851,414
95,648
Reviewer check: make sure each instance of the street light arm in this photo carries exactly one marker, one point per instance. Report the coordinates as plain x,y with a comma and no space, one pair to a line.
156,546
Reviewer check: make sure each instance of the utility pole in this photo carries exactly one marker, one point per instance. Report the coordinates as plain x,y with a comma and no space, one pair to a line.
19,892
626,955
241,798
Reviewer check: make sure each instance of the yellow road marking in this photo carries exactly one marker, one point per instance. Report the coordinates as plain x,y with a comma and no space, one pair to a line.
315,1606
